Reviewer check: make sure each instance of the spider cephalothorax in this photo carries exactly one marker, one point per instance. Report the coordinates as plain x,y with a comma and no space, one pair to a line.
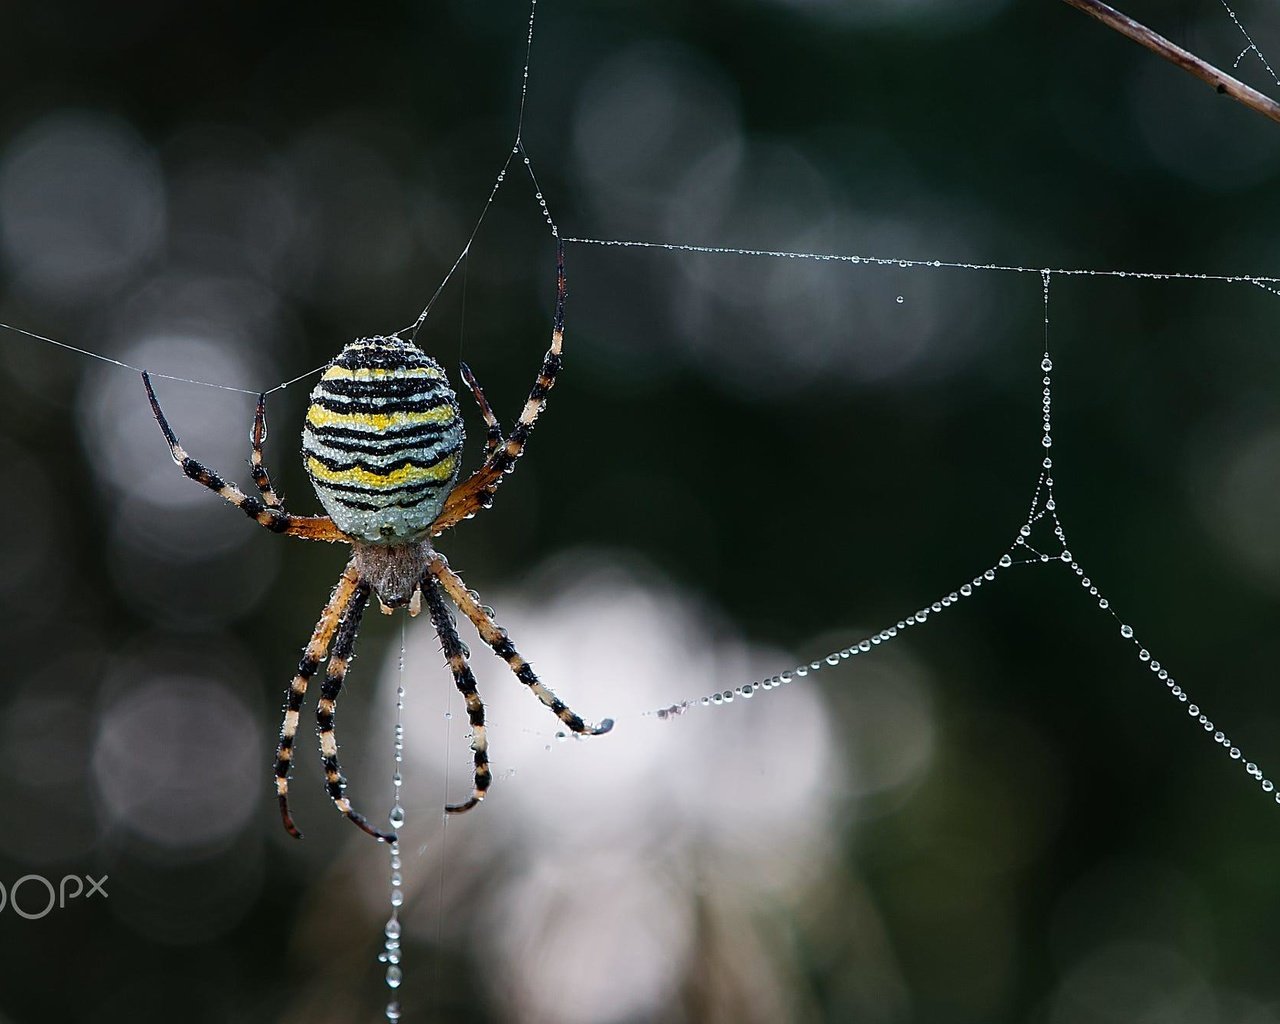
383,447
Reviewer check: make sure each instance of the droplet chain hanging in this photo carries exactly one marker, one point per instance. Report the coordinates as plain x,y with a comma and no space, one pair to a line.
391,948
1044,507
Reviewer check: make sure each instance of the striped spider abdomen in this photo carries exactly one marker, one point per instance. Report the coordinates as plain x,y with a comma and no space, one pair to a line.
382,442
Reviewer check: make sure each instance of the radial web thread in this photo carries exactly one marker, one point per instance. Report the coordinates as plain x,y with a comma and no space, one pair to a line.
1021,552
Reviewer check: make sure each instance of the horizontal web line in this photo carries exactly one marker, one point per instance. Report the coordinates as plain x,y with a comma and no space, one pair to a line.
1259,280
886,261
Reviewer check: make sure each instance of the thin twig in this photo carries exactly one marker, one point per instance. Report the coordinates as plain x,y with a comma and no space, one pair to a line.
1175,54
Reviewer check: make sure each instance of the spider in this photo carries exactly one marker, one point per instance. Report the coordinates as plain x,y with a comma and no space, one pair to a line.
382,446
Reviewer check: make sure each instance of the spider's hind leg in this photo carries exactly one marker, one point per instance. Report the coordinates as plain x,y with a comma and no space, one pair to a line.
343,645
496,637
312,658
455,653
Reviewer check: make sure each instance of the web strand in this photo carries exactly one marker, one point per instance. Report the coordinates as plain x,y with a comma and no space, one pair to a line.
391,948
908,264
517,149
1252,47
1265,282
1021,552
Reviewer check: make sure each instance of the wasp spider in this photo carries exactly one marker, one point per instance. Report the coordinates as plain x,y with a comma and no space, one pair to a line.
383,446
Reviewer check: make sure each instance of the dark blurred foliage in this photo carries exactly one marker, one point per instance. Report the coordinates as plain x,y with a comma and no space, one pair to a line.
230,192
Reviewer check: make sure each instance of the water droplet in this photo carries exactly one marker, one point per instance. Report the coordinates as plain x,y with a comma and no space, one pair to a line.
392,930
1144,655
396,817
1005,562
397,897
802,670
1126,632
834,659
1046,364
748,690
899,300
394,976
966,590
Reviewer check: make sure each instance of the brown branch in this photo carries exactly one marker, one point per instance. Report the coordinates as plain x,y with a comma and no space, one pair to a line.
1175,54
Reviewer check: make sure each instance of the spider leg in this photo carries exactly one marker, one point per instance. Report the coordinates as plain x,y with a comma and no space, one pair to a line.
339,660
476,492
494,436
312,658
273,517
455,653
496,637
257,437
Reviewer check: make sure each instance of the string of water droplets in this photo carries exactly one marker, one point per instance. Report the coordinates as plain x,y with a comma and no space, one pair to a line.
391,948
1043,508
1251,46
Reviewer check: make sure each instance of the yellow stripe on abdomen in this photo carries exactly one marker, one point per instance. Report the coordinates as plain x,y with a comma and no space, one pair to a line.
374,372
319,416
357,476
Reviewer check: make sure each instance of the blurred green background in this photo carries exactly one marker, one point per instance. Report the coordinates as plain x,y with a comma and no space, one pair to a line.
747,462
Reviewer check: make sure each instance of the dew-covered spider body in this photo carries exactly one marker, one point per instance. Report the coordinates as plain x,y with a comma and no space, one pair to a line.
383,441
383,447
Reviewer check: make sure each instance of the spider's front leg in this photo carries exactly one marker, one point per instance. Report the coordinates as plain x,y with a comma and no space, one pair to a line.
496,637
257,438
493,437
272,516
476,492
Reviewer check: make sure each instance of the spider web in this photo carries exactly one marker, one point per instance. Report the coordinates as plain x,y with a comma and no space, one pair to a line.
1039,541
1043,512
1250,47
